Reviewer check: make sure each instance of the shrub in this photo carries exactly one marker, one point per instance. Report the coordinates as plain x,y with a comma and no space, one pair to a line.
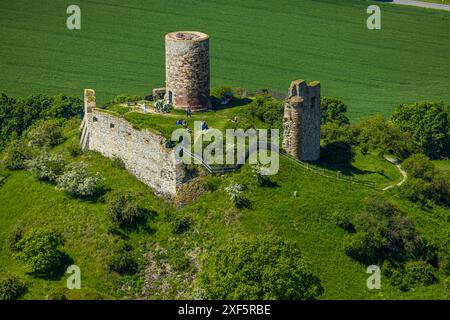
447,285
57,294
181,224
264,267
234,191
14,238
222,92
40,250
343,221
78,182
16,154
122,260
47,133
384,232
46,166
125,209
257,172
266,109
12,288
418,272
74,149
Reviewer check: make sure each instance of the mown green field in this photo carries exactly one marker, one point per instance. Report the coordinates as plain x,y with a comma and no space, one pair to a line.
254,44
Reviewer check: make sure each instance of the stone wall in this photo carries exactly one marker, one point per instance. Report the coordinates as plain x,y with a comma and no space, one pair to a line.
187,70
143,152
301,121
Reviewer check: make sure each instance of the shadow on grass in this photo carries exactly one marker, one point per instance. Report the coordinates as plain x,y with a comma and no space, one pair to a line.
347,170
236,102
58,271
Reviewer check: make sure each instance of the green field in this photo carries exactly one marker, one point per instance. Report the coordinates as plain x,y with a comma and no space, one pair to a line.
254,44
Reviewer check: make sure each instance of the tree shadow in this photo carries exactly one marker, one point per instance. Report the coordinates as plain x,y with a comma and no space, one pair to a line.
236,102
347,170
268,183
58,271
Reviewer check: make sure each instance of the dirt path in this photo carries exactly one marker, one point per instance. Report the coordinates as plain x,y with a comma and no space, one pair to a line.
399,168
422,4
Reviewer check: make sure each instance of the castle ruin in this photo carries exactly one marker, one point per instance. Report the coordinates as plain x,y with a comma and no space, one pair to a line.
187,70
301,121
147,154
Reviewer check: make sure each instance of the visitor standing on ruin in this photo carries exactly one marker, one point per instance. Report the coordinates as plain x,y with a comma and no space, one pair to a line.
188,112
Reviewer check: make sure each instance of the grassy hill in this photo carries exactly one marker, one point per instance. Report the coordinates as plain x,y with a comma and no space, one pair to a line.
255,44
306,219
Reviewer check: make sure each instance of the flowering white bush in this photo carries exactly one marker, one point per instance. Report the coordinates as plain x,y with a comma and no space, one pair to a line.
234,190
78,182
47,167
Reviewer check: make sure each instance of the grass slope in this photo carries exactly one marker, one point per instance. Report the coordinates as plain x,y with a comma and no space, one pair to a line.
255,44
306,219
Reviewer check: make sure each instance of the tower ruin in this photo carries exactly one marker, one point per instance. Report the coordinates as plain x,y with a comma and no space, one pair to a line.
187,70
301,121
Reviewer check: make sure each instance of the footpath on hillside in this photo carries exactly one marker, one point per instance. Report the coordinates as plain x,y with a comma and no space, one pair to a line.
399,168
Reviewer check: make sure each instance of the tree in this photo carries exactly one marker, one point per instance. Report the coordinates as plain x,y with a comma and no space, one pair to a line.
47,133
425,181
333,110
384,232
264,267
428,124
376,133
40,250
65,107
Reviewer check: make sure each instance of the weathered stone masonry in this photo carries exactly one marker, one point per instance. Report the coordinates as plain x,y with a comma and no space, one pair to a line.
187,70
301,121
144,153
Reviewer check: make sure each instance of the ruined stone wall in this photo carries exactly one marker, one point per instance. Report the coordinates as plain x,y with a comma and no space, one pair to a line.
301,121
143,152
187,70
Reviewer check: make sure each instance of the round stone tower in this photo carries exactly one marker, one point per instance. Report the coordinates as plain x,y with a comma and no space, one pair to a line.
187,70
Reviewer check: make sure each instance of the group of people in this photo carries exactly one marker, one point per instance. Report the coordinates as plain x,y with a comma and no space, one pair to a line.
162,107
184,123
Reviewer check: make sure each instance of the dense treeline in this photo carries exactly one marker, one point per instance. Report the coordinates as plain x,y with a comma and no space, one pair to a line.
17,115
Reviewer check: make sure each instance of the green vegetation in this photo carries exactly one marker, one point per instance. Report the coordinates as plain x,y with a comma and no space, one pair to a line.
370,71
262,268
426,183
12,287
428,124
40,251
120,233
